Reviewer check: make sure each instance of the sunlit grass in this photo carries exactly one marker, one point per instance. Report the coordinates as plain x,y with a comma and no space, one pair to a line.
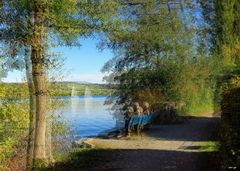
209,146
201,109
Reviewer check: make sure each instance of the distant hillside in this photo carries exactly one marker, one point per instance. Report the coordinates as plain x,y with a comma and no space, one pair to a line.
58,89
65,89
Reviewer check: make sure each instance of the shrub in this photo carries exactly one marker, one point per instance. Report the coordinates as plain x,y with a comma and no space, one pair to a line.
230,120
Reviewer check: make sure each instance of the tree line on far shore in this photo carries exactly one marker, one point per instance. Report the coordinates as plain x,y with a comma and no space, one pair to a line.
56,89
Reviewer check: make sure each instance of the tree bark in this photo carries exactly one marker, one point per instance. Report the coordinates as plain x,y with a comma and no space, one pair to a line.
49,132
50,111
32,111
37,58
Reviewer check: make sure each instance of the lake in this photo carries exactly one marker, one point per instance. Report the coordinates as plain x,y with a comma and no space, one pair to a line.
88,116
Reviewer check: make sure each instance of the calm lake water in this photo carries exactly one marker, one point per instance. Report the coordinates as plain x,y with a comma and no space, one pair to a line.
88,116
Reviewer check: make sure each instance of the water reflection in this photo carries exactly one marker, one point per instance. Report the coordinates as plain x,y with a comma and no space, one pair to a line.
87,104
74,104
87,100
74,99
88,116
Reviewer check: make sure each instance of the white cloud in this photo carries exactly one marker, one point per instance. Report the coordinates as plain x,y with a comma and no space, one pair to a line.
86,77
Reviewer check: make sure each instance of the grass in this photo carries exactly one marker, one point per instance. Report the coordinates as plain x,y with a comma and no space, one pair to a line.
200,110
212,146
209,146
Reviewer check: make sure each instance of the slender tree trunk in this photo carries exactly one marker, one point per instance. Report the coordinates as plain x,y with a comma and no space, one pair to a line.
38,71
49,102
32,112
49,132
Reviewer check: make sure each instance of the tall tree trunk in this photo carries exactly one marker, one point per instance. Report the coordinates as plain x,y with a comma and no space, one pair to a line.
49,102
49,132
38,72
32,112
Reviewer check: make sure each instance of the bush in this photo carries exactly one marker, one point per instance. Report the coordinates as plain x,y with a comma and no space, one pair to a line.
13,128
230,121
186,84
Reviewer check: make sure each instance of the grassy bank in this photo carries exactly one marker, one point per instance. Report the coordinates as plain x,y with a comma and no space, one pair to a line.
200,110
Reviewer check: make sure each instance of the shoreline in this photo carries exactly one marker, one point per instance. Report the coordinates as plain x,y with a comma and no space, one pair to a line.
108,134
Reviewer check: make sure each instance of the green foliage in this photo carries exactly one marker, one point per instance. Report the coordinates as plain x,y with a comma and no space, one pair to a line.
185,84
223,29
226,82
230,81
156,58
20,90
14,115
13,91
14,123
230,128
64,89
223,18
39,164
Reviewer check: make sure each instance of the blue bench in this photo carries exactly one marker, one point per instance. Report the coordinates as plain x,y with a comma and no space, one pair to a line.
139,121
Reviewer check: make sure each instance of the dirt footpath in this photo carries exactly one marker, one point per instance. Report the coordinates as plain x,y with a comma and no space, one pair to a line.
188,146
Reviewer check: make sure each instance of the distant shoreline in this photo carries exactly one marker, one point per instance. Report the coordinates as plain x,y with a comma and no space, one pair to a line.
62,89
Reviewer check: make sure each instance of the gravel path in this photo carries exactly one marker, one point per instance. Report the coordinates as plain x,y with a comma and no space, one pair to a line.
188,147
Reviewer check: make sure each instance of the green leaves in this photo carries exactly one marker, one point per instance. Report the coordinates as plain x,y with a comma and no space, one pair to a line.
155,55
13,126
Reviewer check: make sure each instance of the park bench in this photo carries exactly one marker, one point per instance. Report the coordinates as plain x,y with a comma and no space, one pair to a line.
139,121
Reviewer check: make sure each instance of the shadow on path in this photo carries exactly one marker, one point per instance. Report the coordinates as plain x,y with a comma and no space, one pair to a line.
194,129
139,160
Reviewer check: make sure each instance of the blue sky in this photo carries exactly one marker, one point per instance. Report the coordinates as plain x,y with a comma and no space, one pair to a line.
82,64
